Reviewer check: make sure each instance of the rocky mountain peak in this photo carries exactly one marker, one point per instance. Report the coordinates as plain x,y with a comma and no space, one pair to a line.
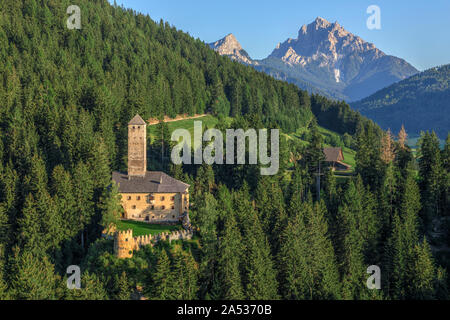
323,42
327,57
230,46
321,23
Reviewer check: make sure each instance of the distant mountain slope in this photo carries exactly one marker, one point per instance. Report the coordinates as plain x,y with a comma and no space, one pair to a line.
421,102
328,59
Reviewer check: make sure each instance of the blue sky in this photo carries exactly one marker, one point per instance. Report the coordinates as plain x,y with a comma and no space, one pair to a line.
415,30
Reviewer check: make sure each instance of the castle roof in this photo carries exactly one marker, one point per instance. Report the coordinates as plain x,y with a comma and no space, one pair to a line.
137,121
153,181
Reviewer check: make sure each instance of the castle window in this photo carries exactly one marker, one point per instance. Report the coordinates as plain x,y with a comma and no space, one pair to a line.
133,207
162,198
129,198
173,198
153,207
163,207
173,216
153,217
173,207
138,198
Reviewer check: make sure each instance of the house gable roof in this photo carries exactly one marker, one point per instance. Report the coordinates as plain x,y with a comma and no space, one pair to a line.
333,154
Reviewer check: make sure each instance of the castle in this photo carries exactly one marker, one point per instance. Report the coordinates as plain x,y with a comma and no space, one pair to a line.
149,196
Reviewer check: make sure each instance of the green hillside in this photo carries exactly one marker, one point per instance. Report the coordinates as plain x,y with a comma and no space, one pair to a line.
331,139
420,103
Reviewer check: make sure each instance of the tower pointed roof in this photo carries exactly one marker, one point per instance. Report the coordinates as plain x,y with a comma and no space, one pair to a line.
137,120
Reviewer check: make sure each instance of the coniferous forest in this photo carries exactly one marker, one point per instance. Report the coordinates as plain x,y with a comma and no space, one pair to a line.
66,97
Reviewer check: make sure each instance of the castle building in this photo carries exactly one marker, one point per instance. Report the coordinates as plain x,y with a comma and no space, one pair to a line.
148,196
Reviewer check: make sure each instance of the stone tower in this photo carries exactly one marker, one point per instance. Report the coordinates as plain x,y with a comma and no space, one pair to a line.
137,147
124,244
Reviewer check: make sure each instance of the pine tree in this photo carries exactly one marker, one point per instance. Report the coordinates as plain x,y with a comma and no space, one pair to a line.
163,278
404,238
314,151
259,276
387,148
185,282
110,206
446,154
424,273
230,256
295,275
92,288
123,287
271,208
357,235
33,277
307,264
368,159
4,292
402,138
430,172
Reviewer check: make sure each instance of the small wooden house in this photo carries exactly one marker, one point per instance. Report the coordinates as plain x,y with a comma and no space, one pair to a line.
335,159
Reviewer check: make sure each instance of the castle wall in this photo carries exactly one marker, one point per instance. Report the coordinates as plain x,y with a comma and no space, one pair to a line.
125,243
154,207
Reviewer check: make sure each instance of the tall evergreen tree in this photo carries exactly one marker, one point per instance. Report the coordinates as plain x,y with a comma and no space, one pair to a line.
230,257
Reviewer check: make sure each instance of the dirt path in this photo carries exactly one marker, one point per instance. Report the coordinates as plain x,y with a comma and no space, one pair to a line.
153,121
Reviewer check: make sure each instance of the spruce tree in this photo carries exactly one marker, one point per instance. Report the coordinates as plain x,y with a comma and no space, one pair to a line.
163,278
33,276
230,253
430,171
123,287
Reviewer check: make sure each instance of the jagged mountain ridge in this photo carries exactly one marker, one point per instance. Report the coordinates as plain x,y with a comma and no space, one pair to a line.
327,58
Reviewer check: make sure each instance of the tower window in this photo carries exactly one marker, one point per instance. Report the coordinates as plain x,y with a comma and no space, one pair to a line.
173,198
162,198
129,198
138,197
163,207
